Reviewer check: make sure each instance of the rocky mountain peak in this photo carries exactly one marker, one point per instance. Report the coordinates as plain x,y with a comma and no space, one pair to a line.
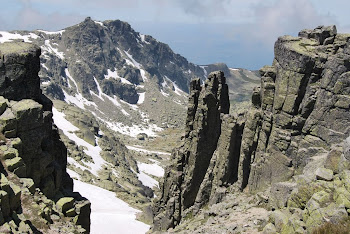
323,34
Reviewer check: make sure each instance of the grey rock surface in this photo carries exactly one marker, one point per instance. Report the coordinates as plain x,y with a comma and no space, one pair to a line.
299,115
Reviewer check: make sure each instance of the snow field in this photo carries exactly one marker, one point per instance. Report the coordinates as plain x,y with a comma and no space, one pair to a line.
109,214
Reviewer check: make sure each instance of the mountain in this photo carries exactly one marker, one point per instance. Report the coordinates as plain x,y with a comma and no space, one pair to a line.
288,154
119,103
124,73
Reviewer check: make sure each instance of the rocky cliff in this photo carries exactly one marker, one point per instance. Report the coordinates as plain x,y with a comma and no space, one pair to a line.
36,191
296,131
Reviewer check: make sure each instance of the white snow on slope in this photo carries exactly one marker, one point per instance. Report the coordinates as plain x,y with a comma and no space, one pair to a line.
143,39
136,64
68,130
116,103
98,89
147,180
52,33
205,71
52,50
115,75
78,100
100,23
138,149
45,82
44,66
143,75
113,100
177,90
7,36
73,173
234,69
141,98
164,93
152,169
134,130
109,214
164,83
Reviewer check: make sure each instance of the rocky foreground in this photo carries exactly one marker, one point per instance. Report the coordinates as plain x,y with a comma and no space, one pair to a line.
290,150
36,193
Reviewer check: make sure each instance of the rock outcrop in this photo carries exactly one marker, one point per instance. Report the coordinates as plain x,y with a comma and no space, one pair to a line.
300,113
33,158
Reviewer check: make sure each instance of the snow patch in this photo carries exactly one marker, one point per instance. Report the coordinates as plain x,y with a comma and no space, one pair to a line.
143,75
135,64
164,93
138,149
141,98
133,130
109,214
78,100
116,103
100,23
44,66
99,95
234,69
177,90
73,173
52,50
52,33
45,82
147,180
110,74
142,36
115,75
164,84
7,36
205,71
152,169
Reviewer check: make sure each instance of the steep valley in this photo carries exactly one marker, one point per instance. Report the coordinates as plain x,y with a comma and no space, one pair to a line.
119,102
170,145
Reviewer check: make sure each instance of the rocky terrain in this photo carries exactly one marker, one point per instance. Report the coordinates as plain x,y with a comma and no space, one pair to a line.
289,152
36,193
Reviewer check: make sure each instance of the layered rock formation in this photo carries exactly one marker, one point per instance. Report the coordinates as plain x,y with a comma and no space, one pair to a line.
35,187
300,113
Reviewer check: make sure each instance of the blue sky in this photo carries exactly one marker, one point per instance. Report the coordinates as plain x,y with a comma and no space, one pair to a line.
240,33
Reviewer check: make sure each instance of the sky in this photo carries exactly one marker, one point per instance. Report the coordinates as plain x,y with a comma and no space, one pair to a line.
240,33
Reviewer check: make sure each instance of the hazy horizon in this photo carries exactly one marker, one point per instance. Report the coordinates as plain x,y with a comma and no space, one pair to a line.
238,33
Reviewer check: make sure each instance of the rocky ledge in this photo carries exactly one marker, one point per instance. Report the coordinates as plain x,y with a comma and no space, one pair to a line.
296,132
36,193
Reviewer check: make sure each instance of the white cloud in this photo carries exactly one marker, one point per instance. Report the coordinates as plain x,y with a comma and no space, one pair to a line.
30,18
280,18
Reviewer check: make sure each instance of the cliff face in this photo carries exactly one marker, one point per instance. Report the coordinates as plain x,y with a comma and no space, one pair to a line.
300,113
35,187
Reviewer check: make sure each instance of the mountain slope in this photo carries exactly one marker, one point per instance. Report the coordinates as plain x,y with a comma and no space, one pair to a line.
119,101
